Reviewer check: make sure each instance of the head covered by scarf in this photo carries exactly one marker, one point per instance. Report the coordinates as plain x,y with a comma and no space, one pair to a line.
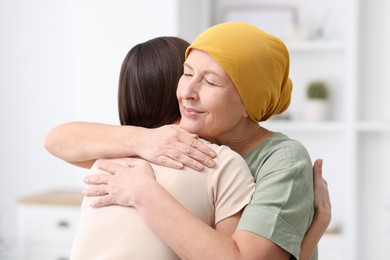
257,63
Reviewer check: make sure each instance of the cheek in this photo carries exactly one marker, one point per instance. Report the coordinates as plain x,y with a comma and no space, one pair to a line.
225,107
218,109
179,88
236,103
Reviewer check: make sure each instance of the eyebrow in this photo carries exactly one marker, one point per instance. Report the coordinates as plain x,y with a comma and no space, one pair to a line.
187,65
204,72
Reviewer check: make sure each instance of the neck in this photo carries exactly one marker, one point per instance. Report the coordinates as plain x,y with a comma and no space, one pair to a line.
247,138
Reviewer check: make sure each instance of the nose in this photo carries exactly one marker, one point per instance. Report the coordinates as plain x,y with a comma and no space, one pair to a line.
189,88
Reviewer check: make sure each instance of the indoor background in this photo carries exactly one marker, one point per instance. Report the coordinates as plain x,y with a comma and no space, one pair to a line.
60,61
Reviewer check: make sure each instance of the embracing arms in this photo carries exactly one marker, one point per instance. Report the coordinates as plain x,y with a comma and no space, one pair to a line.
81,143
186,235
189,237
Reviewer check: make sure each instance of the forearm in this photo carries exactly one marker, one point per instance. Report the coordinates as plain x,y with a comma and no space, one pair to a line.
81,143
313,235
185,234
134,184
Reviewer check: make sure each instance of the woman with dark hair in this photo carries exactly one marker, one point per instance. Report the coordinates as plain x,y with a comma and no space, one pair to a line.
148,81
175,225
146,97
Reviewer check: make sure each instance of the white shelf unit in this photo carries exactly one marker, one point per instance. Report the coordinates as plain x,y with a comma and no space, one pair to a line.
47,224
332,58
373,131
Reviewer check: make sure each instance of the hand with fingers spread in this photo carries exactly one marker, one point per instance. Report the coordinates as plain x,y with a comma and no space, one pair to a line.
117,187
175,147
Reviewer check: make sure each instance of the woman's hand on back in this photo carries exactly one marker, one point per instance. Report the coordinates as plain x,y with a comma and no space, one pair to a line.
120,185
81,143
175,147
322,215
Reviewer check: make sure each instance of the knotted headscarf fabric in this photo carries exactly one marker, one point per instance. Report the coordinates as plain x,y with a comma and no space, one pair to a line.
257,62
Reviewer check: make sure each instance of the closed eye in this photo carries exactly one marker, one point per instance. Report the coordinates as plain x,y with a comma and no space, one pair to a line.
187,70
211,83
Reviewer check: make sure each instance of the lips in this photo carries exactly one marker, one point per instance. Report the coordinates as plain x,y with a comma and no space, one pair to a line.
190,112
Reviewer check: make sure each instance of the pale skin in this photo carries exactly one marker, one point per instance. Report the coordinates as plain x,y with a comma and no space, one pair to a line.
81,143
202,113
241,245
322,217
171,218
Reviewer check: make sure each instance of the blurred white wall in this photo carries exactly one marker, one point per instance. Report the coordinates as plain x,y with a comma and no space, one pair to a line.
60,61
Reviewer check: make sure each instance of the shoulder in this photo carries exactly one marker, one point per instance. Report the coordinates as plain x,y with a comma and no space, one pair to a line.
279,141
282,149
279,153
230,167
225,154
230,182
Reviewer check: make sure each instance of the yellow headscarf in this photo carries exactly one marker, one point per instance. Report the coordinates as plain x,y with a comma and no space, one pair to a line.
257,63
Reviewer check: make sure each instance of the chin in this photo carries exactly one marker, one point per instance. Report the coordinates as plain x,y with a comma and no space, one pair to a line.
190,127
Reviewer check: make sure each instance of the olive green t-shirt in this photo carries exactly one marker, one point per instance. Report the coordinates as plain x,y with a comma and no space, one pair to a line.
281,208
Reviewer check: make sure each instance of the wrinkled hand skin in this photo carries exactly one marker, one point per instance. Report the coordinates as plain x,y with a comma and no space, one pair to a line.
117,187
174,147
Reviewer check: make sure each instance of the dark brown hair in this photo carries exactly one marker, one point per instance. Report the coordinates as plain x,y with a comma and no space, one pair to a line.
148,80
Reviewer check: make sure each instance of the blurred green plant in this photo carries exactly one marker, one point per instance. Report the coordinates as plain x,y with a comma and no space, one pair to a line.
317,90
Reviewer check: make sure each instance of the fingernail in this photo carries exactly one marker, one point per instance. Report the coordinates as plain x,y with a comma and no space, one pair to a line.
211,163
179,165
199,166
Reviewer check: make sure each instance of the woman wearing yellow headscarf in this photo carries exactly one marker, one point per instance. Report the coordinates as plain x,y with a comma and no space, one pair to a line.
257,63
235,76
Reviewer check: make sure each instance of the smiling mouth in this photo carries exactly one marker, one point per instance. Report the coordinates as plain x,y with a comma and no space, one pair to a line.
190,112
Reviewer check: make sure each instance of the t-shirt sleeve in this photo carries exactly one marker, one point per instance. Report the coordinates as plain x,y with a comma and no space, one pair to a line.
281,209
231,184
